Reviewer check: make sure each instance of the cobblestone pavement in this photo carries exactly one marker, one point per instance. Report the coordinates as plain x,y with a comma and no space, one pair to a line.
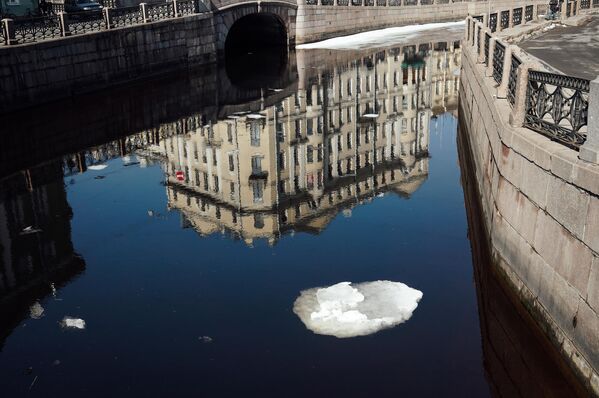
572,50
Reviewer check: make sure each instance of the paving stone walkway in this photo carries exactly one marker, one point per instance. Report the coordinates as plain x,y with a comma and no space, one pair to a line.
574,50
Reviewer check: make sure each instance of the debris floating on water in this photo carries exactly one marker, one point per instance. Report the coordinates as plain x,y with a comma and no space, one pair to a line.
30,230
345,310
74,323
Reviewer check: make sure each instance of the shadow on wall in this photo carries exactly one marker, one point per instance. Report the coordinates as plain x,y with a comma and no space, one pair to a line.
256,51
519,360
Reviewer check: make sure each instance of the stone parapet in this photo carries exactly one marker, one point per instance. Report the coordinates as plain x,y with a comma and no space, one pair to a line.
541,209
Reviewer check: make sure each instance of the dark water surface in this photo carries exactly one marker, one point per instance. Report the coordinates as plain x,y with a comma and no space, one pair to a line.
214,207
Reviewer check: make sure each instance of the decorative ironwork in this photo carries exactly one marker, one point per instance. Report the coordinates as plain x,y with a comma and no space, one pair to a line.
528,11
158,12
426,2
125,16
56,8
356,2
478,18
35,29
381,3
517,16
477,38
85,22
327,2
342,2
487,42
493,22
498,57
186,7
505,19
410,2
368,3
108,3
574,9
311,2
397,3
568,12
3,35
513,80
595,3
557,106
585,4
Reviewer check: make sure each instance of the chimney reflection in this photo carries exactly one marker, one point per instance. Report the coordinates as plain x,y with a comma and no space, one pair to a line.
349,134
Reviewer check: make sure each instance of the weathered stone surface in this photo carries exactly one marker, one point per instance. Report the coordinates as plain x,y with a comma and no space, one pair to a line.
593,286
591,231
568,204
586,332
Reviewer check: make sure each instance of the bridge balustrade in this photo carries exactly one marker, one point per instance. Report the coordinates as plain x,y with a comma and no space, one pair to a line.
64,24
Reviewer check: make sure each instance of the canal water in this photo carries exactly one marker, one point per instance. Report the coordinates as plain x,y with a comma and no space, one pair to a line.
297,231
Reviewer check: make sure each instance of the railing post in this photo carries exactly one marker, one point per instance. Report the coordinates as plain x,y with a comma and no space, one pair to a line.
489,71
589,151
144,14
481,40
107,18
175,12
519,108
505,77
9,28
64,24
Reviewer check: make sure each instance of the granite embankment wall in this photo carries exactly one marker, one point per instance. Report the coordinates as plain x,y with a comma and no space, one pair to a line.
62,67
318,22
541,211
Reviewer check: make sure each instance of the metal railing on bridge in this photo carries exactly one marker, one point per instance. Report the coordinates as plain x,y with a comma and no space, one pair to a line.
63,24
551,104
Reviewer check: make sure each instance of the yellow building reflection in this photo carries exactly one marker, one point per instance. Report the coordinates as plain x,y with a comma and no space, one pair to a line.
349,134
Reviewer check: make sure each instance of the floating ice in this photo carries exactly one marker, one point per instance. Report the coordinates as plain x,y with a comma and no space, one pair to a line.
345,310
379,37
36,310
76,323
97,166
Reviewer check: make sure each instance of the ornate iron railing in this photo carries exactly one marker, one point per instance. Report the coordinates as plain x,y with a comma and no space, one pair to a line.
381,3
557,106
512,80
441,1
477,38
493,22
410,2
487,42
498,57
30,30
86,22
568,12
426,2
342,2
574,9
356,2
158,12
528,11
108,3
125,16
368,3
505,19
3,35
311,2
186,7
327,2
56,8
585,4
397,3
517,16
595,3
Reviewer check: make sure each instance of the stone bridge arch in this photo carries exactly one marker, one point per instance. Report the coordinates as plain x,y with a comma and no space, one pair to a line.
264,16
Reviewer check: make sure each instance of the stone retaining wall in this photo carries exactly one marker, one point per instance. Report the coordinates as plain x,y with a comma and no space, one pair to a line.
541,209
60,68
318,22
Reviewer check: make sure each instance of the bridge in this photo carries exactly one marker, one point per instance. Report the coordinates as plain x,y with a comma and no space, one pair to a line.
60,55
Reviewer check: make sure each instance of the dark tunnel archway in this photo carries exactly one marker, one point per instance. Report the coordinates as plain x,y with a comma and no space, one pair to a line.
256,50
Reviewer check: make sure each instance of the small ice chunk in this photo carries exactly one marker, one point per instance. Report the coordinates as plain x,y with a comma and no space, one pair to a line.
97,166
205,339
30,230
75,323
345,310
36,310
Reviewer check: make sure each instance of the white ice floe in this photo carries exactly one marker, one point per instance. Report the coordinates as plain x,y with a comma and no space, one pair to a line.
97,166
75,323
379,37
345,310
36,311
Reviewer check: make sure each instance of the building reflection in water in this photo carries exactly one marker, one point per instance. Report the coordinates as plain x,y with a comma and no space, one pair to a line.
36,253
351,133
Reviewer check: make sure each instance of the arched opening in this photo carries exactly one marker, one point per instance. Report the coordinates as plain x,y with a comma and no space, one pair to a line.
256,50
